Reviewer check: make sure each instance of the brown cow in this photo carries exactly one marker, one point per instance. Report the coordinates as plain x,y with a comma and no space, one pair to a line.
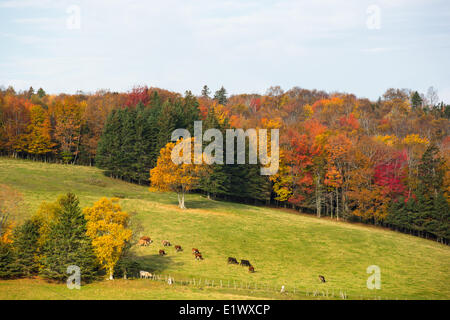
144,241
322,279
162,253
195,250
178,248
166,243
198,256
251,269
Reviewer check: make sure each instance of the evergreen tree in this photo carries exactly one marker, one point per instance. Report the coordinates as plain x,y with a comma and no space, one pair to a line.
109,149
8,265
217,181
127,156
422,211
416,100
105,152
441,218
26,247
41,93
205,91
68,244
30,92
431,171
221,96
143,145
189,112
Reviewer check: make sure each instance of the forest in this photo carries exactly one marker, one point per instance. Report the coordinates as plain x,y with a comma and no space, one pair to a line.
383,162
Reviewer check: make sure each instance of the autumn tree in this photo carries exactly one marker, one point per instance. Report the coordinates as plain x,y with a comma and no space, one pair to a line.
68,115
107,226
176,177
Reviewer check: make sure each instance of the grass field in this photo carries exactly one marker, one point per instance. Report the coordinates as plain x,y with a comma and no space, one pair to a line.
285,248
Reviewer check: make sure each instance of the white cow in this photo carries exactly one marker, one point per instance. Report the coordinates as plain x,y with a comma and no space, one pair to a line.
145,274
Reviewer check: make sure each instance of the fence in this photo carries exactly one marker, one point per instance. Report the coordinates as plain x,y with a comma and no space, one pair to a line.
287,291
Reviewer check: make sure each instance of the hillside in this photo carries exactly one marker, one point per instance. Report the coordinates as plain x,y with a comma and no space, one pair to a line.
285,248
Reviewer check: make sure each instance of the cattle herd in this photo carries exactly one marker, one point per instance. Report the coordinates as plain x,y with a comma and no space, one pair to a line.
146,241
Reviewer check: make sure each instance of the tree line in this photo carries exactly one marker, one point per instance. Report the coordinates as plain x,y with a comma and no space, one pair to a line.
342,157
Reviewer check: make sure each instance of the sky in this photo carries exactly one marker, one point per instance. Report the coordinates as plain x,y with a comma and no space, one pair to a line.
355,46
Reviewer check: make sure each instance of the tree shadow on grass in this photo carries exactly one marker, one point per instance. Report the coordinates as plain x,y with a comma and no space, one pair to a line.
154,263
202,203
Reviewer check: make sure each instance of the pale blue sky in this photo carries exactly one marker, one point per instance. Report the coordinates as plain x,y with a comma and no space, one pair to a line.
246,46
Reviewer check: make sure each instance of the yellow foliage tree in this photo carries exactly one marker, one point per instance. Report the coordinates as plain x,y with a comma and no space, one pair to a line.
282,181
180,178
46,216
107,227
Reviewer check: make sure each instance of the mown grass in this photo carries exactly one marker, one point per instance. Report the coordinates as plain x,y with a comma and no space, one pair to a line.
285,248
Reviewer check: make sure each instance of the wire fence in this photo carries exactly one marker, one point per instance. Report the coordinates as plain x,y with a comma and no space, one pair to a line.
283,290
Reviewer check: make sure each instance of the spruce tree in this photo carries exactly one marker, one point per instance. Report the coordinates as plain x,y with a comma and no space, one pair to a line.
218,179
26,247
431,171
205,91
127,153
416,100
105,151
68,244
9,268
439,225
221,96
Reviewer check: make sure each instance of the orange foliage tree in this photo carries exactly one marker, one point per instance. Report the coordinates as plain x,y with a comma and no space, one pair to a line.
179,178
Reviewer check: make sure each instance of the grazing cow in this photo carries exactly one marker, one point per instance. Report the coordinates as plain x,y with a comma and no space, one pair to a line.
145,274
195,250
178,248
245,263
198,256
142,243
145,241
166,243
162,253
251,269
322,278
232,260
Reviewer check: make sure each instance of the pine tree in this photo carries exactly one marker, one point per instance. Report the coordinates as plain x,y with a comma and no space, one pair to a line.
441,216
8,265
109,150
217,180
104,153
26,247
143,144
205,91
127,153
416,100
68,244
422,211
41,93
221,96
431,171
